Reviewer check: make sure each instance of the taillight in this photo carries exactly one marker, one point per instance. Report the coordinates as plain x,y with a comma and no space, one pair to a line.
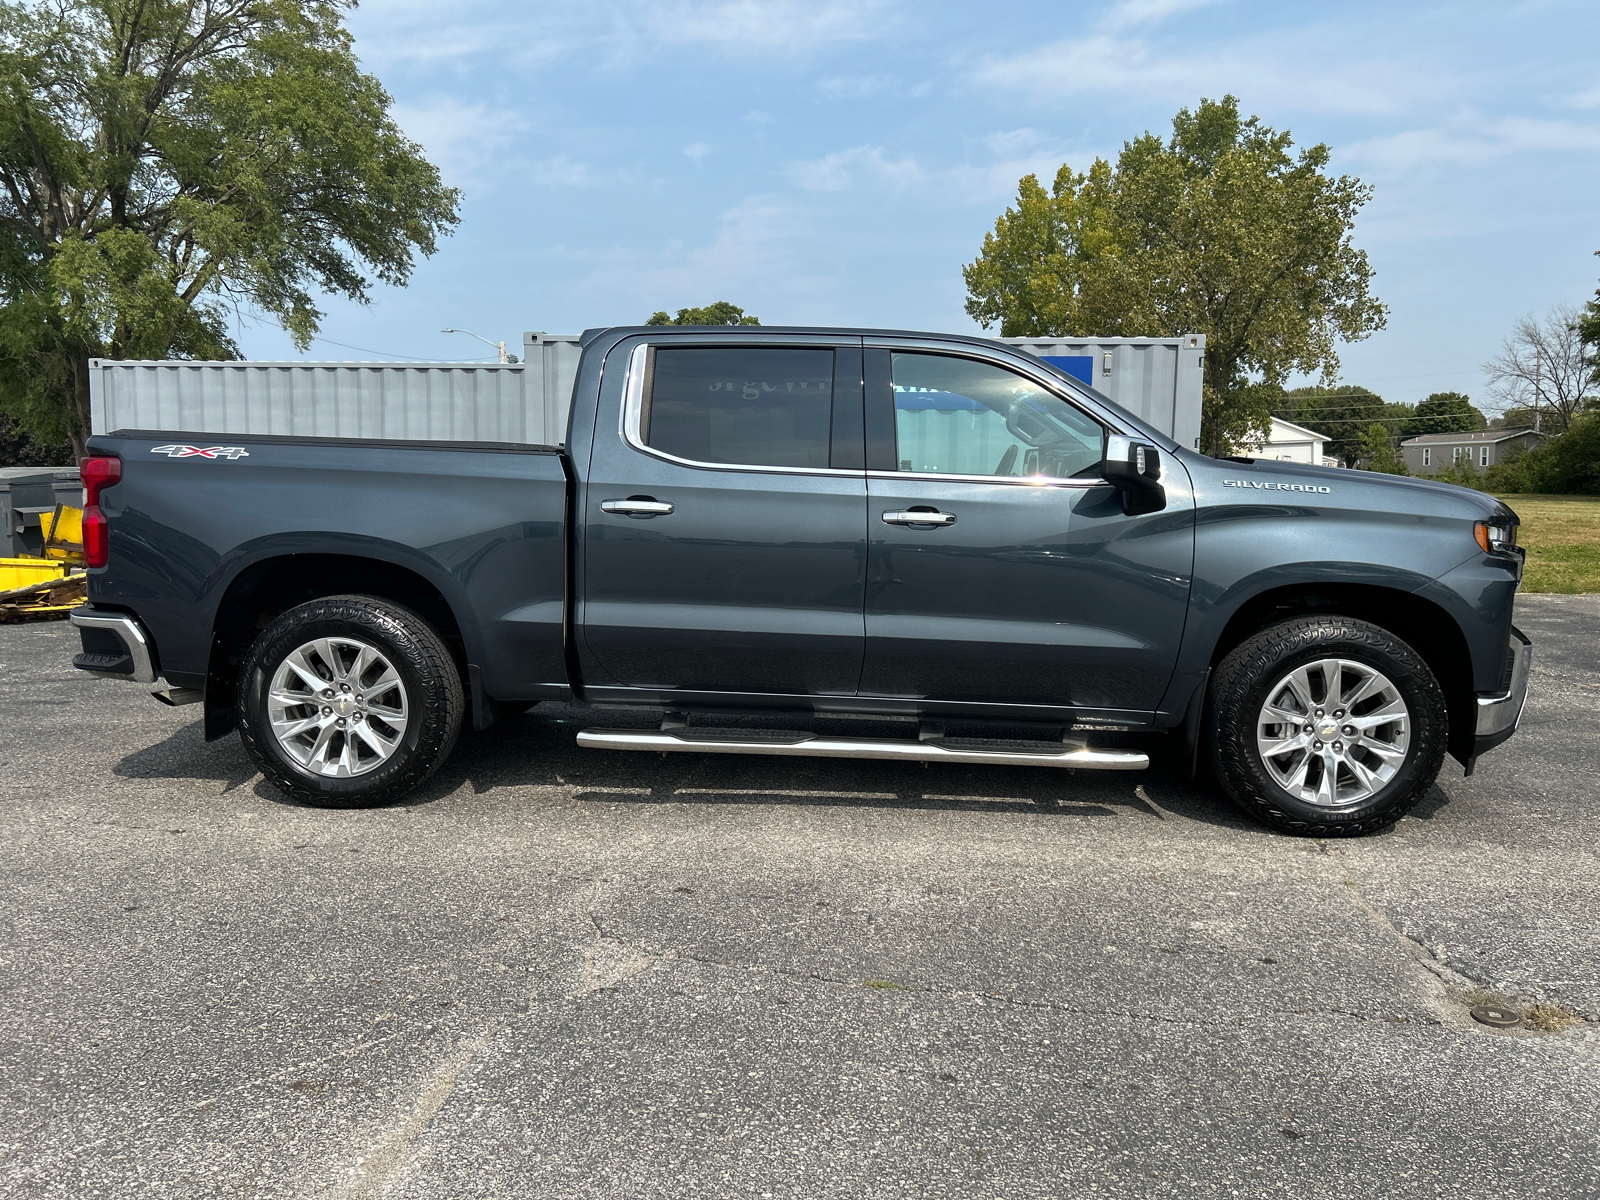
98,472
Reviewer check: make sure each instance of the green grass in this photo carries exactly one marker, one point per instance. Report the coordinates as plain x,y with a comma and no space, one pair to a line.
1562,537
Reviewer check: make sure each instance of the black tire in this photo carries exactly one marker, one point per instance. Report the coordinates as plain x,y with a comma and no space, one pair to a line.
433,693
1239,689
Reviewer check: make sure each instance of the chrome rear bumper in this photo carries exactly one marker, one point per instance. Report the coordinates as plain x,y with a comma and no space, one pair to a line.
135,662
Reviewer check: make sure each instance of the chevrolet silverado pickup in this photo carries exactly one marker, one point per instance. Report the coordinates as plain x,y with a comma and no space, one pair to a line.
943,533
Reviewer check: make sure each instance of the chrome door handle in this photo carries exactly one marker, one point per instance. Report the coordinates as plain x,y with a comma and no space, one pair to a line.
636,508
919,518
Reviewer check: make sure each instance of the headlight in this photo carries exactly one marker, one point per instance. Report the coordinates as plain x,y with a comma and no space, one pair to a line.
1495,538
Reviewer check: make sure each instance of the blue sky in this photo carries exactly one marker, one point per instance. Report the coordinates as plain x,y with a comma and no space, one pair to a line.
838,161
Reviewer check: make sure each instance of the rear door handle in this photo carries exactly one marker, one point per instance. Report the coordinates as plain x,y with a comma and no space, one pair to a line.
919,518
636,507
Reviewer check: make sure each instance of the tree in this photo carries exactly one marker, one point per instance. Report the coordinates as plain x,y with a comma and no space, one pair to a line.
1444,412
1559,465
720,313
19,449
1218,230
168,163
1343,413
1378,452
1543,364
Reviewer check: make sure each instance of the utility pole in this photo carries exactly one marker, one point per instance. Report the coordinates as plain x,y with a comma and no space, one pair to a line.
1538,373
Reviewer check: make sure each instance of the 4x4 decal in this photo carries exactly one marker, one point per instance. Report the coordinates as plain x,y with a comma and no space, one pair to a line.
176,451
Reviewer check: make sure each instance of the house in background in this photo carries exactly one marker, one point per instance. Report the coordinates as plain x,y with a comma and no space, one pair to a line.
1483,448
1288,442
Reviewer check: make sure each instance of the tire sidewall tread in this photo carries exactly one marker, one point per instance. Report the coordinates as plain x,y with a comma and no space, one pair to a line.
426,667
1237,692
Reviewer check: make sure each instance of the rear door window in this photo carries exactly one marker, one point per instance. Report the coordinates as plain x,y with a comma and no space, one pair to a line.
958,416
760,407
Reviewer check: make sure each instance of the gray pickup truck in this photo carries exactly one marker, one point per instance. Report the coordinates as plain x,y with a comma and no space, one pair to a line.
944,533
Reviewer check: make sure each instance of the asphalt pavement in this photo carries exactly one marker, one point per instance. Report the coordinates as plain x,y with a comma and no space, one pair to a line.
567,973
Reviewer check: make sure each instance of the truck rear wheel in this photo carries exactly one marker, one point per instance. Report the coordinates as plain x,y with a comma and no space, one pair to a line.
349,701
1326,726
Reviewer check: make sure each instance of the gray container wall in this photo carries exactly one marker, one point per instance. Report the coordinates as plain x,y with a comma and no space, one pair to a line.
524,403
25,492
1159,380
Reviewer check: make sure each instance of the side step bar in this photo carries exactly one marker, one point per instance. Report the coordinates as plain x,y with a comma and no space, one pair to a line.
1072,755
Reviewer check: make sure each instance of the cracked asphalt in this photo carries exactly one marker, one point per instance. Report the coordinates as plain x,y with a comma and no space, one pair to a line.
567,973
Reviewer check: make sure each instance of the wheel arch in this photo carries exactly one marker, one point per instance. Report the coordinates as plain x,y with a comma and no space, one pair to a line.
1423,625
272,585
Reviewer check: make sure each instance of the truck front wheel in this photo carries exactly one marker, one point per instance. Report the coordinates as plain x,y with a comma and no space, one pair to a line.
349,701
1326,726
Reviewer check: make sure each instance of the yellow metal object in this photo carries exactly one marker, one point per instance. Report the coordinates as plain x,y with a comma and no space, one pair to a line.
21,572
63,533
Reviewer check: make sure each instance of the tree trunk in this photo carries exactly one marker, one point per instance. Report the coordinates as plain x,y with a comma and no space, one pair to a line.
78,431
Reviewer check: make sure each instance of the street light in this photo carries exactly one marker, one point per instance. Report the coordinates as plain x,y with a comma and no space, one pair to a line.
500,346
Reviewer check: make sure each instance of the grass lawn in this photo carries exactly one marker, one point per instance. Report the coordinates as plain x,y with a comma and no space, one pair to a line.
1562,536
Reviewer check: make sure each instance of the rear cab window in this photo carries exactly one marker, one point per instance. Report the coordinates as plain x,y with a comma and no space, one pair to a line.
736,406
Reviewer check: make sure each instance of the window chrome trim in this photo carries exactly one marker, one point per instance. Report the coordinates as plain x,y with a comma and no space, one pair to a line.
633,402
1036,481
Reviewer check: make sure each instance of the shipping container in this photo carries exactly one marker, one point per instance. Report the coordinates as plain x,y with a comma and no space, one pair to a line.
1156,379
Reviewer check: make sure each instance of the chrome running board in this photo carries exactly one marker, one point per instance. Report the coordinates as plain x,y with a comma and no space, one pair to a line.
1072,754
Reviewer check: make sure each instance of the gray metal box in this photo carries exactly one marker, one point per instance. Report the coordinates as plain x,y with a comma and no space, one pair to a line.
25,492
1159,380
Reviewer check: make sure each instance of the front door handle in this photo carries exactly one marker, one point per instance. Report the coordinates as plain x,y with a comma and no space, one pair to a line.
636,506
928,517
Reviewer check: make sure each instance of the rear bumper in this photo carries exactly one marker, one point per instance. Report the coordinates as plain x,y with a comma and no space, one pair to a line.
115,646
1499,716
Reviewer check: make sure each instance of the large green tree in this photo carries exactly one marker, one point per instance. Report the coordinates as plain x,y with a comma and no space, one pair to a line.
1343,413
1220,229
1444,412
167,164
720,313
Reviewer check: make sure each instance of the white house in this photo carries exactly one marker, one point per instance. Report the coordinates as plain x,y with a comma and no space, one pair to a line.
1288,442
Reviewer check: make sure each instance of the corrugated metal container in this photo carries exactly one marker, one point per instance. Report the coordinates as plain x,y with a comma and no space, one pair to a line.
1159,380
452,402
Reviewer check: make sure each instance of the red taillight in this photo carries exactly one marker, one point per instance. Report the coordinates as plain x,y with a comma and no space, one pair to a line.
98,472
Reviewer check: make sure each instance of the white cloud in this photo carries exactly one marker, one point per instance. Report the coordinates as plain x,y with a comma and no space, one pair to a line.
1299,70
562,171
696,151
853,87
460,139
782,24
761,257
1140,12
844,169
1474,142
1018,152
1588,98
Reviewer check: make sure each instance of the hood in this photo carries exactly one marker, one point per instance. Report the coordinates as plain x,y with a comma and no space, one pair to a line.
1396,491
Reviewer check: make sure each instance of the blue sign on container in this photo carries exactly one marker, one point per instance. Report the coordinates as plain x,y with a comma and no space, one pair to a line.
1079,366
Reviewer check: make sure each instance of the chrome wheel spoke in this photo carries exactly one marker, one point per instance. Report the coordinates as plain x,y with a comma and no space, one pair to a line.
338,737
293,728
381,746
1385,714
1326,765
1271,747
297,665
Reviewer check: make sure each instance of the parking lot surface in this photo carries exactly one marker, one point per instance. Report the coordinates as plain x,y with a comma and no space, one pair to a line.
563,973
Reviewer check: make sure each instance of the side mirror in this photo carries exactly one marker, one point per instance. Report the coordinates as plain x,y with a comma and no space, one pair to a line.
1134,469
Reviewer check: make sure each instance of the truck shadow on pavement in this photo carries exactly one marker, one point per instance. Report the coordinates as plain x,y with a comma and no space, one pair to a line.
538,751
